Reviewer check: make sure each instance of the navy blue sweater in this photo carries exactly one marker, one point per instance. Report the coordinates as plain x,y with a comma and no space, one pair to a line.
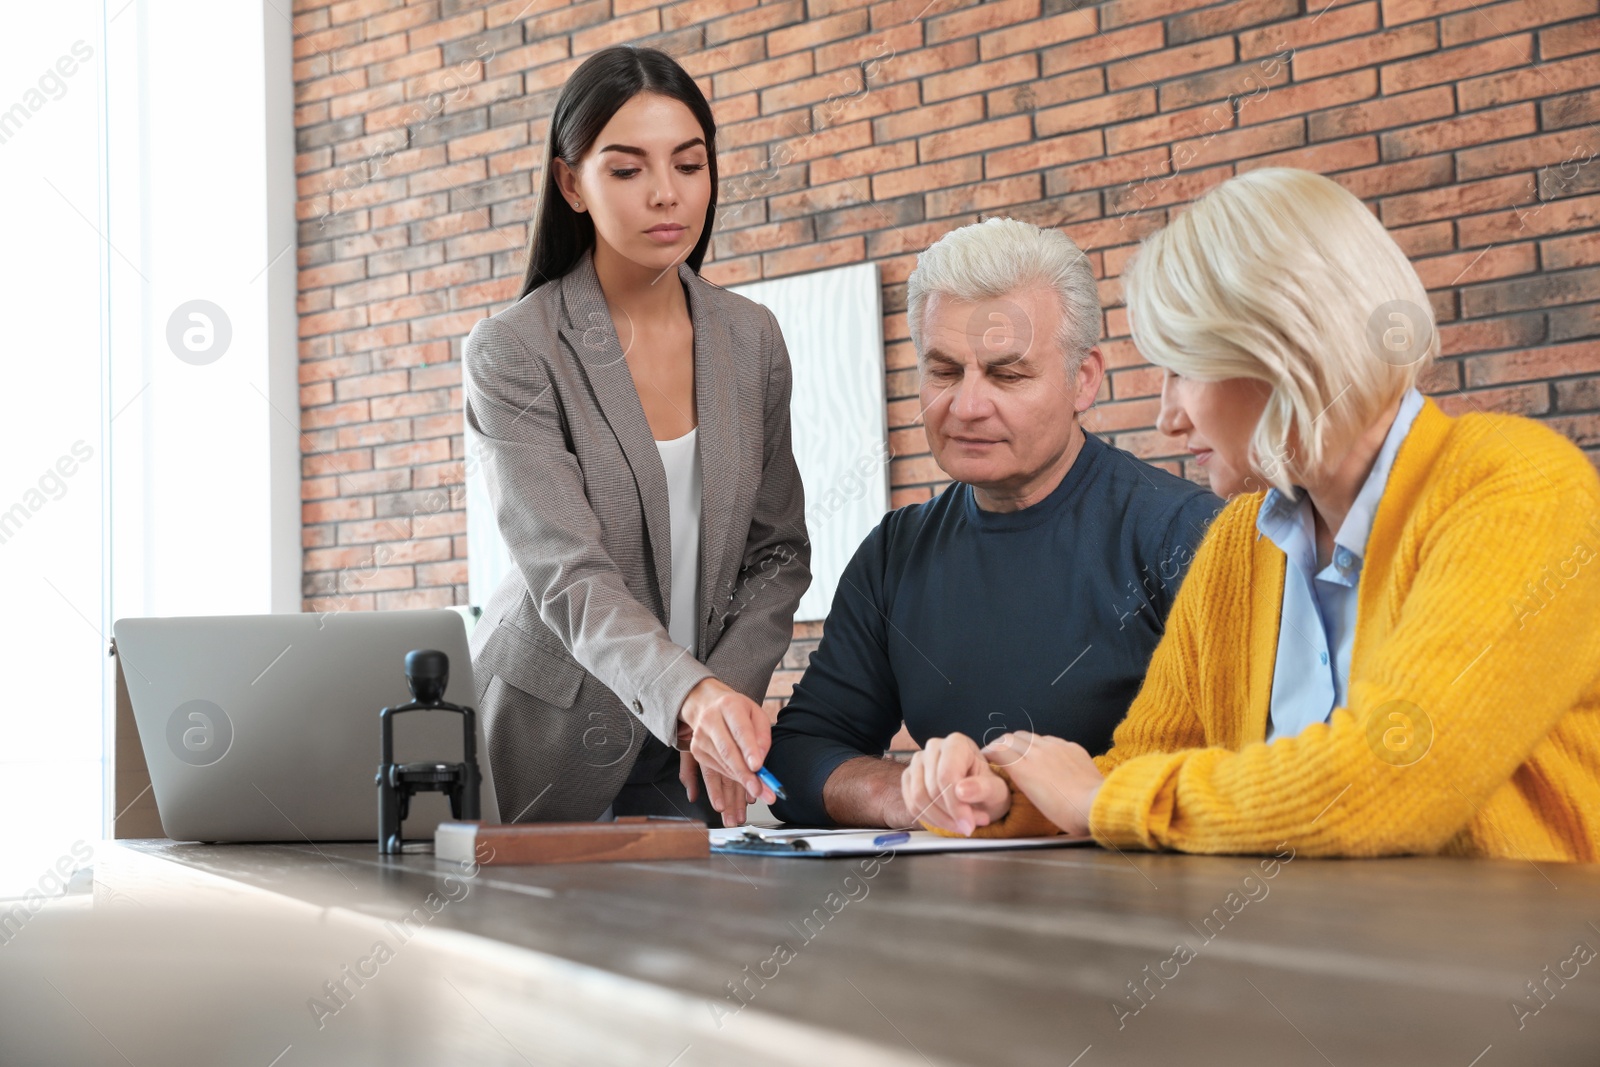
958,620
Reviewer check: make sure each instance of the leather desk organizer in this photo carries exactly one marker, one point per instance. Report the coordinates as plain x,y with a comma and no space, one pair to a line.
630,837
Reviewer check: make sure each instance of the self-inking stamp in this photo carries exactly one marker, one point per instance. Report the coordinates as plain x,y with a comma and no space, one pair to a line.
428,674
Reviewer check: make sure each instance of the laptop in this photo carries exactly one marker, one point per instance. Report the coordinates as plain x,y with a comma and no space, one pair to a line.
265,727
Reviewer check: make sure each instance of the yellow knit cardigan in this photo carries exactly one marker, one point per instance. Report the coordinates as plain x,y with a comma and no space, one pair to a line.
1473,721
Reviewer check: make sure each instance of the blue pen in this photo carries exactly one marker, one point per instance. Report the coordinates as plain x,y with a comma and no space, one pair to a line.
898,838
772,783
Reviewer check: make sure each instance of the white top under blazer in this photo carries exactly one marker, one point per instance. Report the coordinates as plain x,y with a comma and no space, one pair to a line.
681,458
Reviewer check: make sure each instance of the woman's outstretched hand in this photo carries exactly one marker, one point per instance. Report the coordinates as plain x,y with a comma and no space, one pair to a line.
727,796
950,785
729,735
1059,776
689,774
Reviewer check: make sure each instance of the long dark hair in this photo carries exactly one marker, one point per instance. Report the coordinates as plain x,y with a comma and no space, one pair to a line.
595,92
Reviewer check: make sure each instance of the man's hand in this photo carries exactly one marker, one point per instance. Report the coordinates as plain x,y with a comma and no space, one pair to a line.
865,791
728,734
1059,776
949,784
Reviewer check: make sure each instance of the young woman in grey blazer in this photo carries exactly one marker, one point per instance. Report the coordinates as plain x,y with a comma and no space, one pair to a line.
633,423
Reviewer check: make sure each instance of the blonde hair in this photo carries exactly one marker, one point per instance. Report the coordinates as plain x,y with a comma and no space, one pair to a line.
1285,277
989,259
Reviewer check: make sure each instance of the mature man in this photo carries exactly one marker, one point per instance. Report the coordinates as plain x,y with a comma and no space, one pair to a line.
1030,594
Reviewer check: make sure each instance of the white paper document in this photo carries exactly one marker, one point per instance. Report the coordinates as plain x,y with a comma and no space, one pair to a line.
792,841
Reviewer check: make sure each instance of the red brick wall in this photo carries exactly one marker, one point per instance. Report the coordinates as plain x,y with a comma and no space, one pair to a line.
853,131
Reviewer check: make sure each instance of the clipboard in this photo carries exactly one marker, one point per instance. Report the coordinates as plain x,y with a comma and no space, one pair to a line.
804,843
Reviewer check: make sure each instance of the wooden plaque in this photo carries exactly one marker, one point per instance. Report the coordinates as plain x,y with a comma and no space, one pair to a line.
635,837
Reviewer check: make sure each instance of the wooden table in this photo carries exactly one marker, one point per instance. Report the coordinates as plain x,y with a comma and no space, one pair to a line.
1014,958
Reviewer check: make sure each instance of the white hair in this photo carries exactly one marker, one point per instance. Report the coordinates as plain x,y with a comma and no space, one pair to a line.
1285,277
999,256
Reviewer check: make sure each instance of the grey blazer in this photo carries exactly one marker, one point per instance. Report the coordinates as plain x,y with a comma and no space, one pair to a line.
577,633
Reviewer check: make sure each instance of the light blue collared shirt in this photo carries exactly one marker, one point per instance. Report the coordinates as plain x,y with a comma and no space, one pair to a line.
1318,628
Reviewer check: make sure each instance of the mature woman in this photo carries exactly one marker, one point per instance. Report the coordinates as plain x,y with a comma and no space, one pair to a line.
1389,641
635,434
